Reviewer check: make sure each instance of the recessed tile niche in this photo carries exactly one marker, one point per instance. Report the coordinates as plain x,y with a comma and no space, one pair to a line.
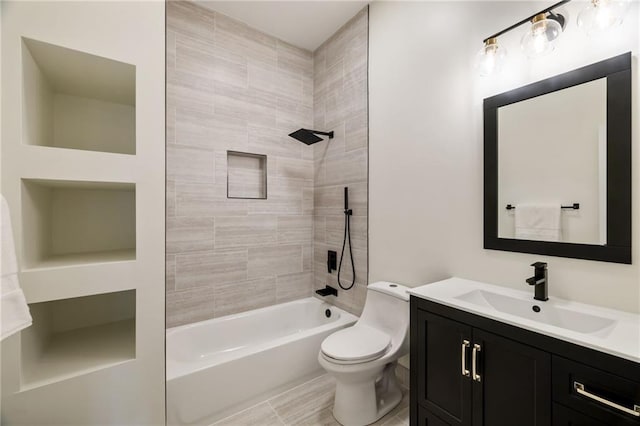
69,222
246,175
76,100
70,337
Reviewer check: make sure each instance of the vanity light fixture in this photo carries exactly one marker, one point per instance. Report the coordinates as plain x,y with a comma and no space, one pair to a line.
491,57
602,15
546,27
543,35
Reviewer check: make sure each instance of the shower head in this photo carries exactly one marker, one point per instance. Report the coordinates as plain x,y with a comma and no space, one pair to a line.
309,137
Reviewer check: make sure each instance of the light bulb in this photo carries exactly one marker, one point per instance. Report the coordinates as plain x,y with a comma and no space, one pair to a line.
490,58
541,37
602,15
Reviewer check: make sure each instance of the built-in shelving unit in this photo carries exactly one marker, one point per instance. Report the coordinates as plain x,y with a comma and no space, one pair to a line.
75,336
83,172
76,100
69,223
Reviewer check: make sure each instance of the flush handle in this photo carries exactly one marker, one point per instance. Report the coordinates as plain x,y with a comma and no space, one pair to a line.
579,387
474,362
463,356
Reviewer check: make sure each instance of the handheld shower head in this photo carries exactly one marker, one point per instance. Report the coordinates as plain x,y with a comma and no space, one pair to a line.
309,137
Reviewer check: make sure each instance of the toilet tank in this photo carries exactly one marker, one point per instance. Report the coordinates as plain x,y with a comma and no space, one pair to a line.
387,309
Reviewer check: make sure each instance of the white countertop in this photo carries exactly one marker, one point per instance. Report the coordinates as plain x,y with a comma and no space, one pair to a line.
622,339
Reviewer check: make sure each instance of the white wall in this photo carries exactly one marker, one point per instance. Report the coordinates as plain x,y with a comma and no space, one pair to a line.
426,146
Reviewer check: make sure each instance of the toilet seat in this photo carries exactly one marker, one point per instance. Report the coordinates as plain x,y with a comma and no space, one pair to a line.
355,345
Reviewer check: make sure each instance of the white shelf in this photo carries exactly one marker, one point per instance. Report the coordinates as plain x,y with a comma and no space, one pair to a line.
80,259
67,223
76,100
72,337
80,352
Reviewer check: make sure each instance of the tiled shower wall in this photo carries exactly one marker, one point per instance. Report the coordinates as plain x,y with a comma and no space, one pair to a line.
230,87
340,104
233,88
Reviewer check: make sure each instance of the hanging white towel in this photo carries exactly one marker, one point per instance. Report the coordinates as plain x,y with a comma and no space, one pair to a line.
14,312
538,222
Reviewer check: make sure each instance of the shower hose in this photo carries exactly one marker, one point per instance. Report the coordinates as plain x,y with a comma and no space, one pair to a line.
347,234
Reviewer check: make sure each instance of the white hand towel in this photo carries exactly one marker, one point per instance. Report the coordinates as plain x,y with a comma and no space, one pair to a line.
538,222
14,312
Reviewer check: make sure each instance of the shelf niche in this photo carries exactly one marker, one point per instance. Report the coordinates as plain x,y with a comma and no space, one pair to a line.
67,223
246,175
76,100
71,337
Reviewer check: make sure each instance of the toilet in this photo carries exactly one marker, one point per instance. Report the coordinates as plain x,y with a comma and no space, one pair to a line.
362,358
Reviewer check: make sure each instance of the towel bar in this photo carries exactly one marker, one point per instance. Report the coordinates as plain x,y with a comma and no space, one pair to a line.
574,206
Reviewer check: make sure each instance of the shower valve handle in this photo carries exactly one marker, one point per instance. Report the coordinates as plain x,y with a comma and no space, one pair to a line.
332,261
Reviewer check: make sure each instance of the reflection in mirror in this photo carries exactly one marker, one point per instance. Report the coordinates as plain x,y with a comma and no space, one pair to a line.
557,165
552,153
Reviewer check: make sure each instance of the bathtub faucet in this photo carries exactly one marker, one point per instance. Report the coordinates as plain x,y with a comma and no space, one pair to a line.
327,291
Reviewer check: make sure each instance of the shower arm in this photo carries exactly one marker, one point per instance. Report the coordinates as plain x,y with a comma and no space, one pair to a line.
330,134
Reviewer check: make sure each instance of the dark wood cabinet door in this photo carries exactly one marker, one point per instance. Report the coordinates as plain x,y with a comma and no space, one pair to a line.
514,387
429,419
441,386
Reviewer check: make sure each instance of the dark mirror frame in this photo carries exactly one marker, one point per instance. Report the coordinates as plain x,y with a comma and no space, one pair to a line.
617,71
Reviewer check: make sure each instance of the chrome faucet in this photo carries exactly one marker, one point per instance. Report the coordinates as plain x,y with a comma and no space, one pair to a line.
540,280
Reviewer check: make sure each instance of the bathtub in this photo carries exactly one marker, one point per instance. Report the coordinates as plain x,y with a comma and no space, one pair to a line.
220,366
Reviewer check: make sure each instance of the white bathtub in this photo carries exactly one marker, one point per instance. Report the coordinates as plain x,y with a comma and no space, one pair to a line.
219,366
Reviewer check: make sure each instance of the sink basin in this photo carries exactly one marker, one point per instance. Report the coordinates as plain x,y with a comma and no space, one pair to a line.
550,314
606,330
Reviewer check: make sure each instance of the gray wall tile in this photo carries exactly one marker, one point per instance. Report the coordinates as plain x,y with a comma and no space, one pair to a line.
193,200
190,305
295,169
231,87
294,286
245,231
187,234
194,128
170,198
187,18
295,61
307,257
170,272
340,104
202,269
240,296
295,229
190,164
273,142
274,260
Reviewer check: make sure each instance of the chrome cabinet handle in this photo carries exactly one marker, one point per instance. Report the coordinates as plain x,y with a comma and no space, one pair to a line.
474,362
579,387
465,345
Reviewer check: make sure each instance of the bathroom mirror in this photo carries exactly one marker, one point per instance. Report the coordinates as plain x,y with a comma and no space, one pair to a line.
560,149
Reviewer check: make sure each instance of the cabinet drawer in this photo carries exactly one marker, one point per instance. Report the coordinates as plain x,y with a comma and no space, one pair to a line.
606,397
563,416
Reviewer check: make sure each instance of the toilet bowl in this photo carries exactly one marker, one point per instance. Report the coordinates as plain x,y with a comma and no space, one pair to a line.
362,358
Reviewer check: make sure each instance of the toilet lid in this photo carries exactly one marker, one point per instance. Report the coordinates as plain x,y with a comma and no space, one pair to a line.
357,343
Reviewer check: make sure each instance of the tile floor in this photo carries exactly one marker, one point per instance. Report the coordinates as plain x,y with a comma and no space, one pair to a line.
307,404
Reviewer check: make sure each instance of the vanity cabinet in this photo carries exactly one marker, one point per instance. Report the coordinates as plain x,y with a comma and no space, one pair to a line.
468,376
471,370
